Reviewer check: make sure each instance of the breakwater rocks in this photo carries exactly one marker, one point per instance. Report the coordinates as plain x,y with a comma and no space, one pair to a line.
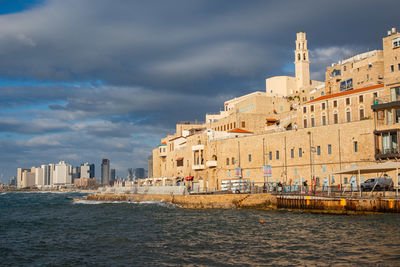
335,205
228,201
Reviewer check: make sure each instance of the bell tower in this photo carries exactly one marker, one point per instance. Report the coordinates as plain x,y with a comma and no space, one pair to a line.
302,62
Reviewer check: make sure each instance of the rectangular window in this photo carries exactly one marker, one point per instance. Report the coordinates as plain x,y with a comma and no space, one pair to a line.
389,143
233,161
361,99
312,122
355,143
348,116
395,93
348,101
312,108
329,149
398,66
345,180
292,153
305,123
249,157
323,120
323,105
300,152
277,154
389,116
304,109
335,118
224,127
243,124
270,155
323,167
318,150
391,68
397,115
335,104
227,161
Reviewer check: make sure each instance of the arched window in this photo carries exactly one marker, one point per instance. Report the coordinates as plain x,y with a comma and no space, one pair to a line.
304,56
312,121
305,121
348,115
323,118
298,57
299,46
362,113
335,117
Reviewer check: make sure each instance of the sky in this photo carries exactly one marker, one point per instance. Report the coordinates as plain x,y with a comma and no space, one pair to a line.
82,80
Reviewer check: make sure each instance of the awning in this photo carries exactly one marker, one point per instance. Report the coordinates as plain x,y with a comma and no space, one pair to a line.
189,178
380,167
178,159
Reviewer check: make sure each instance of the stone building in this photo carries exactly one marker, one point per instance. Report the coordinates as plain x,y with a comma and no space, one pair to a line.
301,129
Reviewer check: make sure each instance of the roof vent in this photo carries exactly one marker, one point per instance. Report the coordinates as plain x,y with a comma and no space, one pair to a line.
389,33
394,30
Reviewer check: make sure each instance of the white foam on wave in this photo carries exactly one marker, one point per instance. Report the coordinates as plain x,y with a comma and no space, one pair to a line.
96,202
3,193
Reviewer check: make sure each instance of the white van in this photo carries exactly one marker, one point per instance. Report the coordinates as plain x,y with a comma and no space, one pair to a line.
380,183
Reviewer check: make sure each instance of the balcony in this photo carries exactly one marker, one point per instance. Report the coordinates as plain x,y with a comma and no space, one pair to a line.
198,167
211,163
197,147
387,153
163,153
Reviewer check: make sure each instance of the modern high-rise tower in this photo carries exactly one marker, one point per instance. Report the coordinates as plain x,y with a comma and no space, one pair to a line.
105,172
302,62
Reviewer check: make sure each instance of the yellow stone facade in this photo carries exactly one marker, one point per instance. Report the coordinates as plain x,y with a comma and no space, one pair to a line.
314,129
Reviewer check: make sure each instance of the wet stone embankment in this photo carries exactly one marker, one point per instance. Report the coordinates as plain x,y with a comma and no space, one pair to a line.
336,205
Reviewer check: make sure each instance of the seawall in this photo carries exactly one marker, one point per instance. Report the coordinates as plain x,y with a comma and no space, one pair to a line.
335,205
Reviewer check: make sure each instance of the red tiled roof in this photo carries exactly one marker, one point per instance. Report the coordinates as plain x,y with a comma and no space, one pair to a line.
346,93
238,130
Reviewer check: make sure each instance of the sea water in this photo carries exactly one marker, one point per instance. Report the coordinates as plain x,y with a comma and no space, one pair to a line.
51,229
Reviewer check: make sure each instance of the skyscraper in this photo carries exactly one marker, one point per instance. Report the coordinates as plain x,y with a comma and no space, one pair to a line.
150,166
105,172
138,173
62,173
112,175
87,170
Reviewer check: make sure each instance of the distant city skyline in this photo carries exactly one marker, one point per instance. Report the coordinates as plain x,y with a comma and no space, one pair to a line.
85,80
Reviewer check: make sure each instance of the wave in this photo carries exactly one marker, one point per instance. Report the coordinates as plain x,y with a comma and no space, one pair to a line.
3,193
96,202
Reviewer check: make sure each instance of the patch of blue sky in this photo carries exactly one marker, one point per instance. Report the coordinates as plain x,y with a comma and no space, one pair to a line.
288,68
27,82
42,106
16,136
15,6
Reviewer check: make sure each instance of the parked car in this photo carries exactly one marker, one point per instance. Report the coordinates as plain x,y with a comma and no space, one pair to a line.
380,183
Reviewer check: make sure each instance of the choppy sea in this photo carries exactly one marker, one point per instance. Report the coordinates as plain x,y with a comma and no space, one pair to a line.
49,229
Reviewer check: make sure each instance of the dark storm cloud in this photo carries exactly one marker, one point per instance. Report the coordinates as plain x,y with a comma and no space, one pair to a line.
177,44
109,78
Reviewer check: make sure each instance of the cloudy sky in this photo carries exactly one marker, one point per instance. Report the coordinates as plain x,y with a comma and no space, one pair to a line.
81,80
